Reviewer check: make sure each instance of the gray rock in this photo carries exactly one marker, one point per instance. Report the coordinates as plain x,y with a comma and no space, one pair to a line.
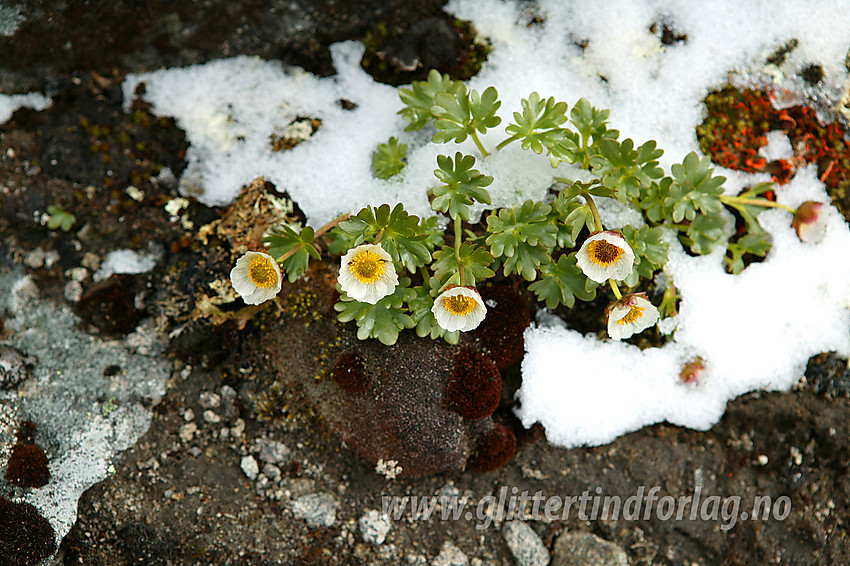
525,544
450,555
374,527
586,549
316,509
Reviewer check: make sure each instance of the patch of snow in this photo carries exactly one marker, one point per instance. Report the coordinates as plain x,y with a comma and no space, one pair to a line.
124,261
11,102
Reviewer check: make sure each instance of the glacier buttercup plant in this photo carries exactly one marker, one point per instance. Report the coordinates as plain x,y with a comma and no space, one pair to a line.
399,271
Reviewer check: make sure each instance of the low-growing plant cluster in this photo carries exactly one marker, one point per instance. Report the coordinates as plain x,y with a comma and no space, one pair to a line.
399,271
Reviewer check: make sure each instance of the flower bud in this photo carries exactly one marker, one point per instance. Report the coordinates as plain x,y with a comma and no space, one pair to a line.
810,221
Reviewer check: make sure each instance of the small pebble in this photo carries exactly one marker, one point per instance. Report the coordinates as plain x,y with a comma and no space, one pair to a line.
187,432
450,555
374,527
250,467
316,509
209,400
211,417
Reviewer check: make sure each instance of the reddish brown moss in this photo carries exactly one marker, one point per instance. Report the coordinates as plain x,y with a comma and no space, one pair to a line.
350,373
27,466
501,333
735,126
26,538
474,388
494,449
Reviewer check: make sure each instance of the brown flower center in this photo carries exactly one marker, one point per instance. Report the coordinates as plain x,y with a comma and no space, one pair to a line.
604,253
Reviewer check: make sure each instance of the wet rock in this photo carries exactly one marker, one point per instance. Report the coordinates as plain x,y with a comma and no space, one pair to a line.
586,549
316,509
375,526
525,544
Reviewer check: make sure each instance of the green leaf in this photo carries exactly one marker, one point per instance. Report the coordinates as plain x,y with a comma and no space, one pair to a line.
399,233
474,262
383,320
577,147
626,169
296,246
420,311
462,186
655,203
562,282
694,189
706,232
757,244
59,218
522,237
460,113
537,127
389,159
421,97
650,251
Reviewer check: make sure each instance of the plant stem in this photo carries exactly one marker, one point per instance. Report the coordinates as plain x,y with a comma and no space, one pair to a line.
330,225
458,240
478,143
316,235
505,142
615,289
732,201
594,211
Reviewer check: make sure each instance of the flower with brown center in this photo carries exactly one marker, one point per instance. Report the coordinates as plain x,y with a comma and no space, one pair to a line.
630,315
606,255
459,308
256,277
367,273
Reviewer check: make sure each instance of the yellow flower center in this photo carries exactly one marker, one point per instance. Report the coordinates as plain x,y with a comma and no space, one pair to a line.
634,314
459,305
604,253
367,267
261,272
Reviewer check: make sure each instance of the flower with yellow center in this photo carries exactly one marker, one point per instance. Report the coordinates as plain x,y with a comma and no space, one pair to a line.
367,273
256,277
606,255
459,308
630,315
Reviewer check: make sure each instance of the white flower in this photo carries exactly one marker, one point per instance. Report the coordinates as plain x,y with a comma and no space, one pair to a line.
630,315
256,277
605,255
367,273
810,222
459,308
